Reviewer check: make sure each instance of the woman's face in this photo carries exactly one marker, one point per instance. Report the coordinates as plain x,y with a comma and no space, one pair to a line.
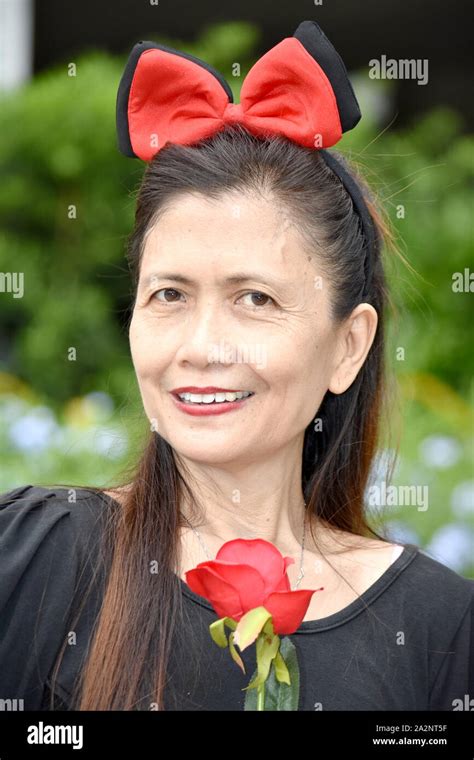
266,331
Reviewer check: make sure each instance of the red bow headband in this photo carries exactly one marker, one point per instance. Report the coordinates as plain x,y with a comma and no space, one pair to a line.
299,89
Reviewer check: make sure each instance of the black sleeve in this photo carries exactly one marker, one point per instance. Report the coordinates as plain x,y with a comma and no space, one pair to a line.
453,687
39,565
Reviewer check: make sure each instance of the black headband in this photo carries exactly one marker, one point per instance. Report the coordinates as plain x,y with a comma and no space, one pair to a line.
371,235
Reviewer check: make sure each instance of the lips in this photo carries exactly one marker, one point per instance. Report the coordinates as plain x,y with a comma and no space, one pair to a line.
206,410
207,389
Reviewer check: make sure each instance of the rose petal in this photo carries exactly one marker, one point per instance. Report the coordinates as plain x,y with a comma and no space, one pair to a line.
245,581
257,553
288,608
223,597
284,584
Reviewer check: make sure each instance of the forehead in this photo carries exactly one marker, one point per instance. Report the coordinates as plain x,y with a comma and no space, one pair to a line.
217,236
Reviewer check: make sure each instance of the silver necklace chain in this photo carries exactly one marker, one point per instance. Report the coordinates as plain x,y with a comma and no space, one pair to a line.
207,552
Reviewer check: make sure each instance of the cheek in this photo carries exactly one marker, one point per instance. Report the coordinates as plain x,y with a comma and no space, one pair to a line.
144,356
150,357
143,335
307,373
135,339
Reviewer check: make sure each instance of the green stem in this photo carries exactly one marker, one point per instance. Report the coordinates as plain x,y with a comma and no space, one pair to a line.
261,697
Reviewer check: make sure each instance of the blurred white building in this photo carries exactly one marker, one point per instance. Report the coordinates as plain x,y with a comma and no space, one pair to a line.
16,42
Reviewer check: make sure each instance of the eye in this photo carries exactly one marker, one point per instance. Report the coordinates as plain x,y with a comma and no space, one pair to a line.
260,296
165,290
176,293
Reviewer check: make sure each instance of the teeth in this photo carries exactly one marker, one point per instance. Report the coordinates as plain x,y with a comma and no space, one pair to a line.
209,398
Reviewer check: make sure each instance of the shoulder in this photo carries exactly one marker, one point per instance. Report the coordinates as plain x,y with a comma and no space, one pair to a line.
34,517
440,606
443,603
431,593
51,501
437,587
48,537
434,607
434,595
41,526
425,579
46,556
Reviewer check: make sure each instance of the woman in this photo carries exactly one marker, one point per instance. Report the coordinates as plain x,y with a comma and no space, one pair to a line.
248,264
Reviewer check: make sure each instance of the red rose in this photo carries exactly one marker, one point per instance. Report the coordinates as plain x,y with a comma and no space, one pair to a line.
249,573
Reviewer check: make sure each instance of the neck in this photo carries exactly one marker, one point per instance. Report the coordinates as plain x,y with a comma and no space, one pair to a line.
255,500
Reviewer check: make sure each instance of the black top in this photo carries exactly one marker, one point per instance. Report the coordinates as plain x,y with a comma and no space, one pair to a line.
407,643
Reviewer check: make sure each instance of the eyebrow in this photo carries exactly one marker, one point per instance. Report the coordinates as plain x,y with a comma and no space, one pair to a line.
230,280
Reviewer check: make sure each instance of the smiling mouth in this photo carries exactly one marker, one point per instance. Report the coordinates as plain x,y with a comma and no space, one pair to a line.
212,399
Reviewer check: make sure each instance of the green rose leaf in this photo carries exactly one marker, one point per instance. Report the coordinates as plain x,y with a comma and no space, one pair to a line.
217,630
249,626
267,649
235,655
218,633
279,695
281,671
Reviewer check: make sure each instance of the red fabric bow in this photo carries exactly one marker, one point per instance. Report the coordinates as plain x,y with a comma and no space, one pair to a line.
174,99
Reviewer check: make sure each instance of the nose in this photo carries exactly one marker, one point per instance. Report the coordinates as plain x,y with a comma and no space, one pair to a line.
203,335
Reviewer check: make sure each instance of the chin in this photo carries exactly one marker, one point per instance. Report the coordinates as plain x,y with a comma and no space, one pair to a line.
213,454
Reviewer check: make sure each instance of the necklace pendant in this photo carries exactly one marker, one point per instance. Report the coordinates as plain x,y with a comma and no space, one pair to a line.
300,576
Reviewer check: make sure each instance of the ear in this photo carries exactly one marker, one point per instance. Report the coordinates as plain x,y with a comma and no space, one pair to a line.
356,338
